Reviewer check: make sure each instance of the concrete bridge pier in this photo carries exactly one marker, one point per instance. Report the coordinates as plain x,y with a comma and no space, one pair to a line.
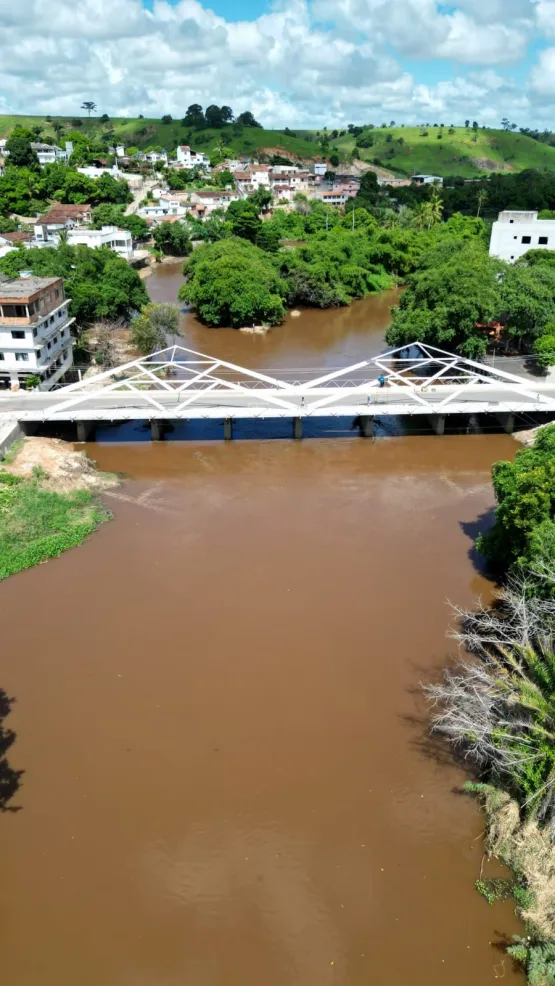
85,430
507,422
366,426
156,430
228,429
297,428
437,422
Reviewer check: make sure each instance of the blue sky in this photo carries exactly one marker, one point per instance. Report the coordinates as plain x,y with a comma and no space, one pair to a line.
292,63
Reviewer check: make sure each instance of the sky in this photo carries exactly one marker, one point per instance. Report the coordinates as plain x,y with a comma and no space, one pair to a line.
292,63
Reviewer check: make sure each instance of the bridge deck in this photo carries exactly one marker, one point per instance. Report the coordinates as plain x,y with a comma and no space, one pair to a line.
179,383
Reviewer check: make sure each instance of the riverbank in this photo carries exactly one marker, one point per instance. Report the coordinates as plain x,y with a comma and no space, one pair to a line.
49,502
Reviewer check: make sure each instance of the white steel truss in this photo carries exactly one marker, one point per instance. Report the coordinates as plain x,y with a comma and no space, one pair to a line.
181,383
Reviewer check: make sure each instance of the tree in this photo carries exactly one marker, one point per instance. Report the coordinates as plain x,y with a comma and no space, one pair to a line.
58,129
112,215
153,328
523,534
466,124
99,283
505,123
194,117
226,114
21,153
172,239
453,292
544,348
89,106
244,219
481,200
233,283
498,708
528,298
247,120
166,118
213,116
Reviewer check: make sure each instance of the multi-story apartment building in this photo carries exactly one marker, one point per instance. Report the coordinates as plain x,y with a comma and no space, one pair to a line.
35,338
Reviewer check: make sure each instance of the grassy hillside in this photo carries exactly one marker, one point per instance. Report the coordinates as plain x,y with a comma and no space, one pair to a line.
146,133
405,151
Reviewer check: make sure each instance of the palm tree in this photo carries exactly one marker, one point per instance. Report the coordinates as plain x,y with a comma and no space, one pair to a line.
420,215
481,200
435,209
221,146
90,107
498,708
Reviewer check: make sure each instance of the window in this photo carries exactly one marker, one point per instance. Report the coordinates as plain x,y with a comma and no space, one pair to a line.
22,357
526,239
17,334
515,237
543,240
34,333
14,311
2,356
54,341
511,220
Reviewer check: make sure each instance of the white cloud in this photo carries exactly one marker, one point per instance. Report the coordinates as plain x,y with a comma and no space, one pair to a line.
337,61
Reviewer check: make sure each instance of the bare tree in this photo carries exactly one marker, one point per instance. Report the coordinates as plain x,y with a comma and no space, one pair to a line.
497,705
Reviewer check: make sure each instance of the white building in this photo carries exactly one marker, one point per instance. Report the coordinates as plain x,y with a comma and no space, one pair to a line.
35,336
119,240
192,159
50,153
427,179
319,168
165,206
154,157
214,198
516,232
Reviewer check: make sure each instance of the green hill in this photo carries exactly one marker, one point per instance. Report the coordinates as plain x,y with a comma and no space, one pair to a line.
402,150
144,133
414,150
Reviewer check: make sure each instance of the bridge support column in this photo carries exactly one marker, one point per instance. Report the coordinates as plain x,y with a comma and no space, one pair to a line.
437,422
297,428
228,429
366,426
85,430
156,429
507,422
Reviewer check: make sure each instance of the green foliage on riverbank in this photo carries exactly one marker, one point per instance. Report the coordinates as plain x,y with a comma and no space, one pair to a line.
458,290
37,523
497,705
237,283
522,538
234,283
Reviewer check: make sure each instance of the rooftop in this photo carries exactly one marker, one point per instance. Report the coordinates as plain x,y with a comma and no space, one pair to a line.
18,237
58,213
24,288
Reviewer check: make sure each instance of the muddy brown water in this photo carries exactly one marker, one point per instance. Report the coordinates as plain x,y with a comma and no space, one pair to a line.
219,717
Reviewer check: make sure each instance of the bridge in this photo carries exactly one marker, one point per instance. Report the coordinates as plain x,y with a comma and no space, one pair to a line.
180,384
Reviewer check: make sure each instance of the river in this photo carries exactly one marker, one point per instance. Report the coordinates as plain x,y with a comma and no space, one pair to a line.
218,712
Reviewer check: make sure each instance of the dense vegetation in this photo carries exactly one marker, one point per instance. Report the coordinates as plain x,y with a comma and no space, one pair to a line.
497,708
234,283
99,283
26,188
458,290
